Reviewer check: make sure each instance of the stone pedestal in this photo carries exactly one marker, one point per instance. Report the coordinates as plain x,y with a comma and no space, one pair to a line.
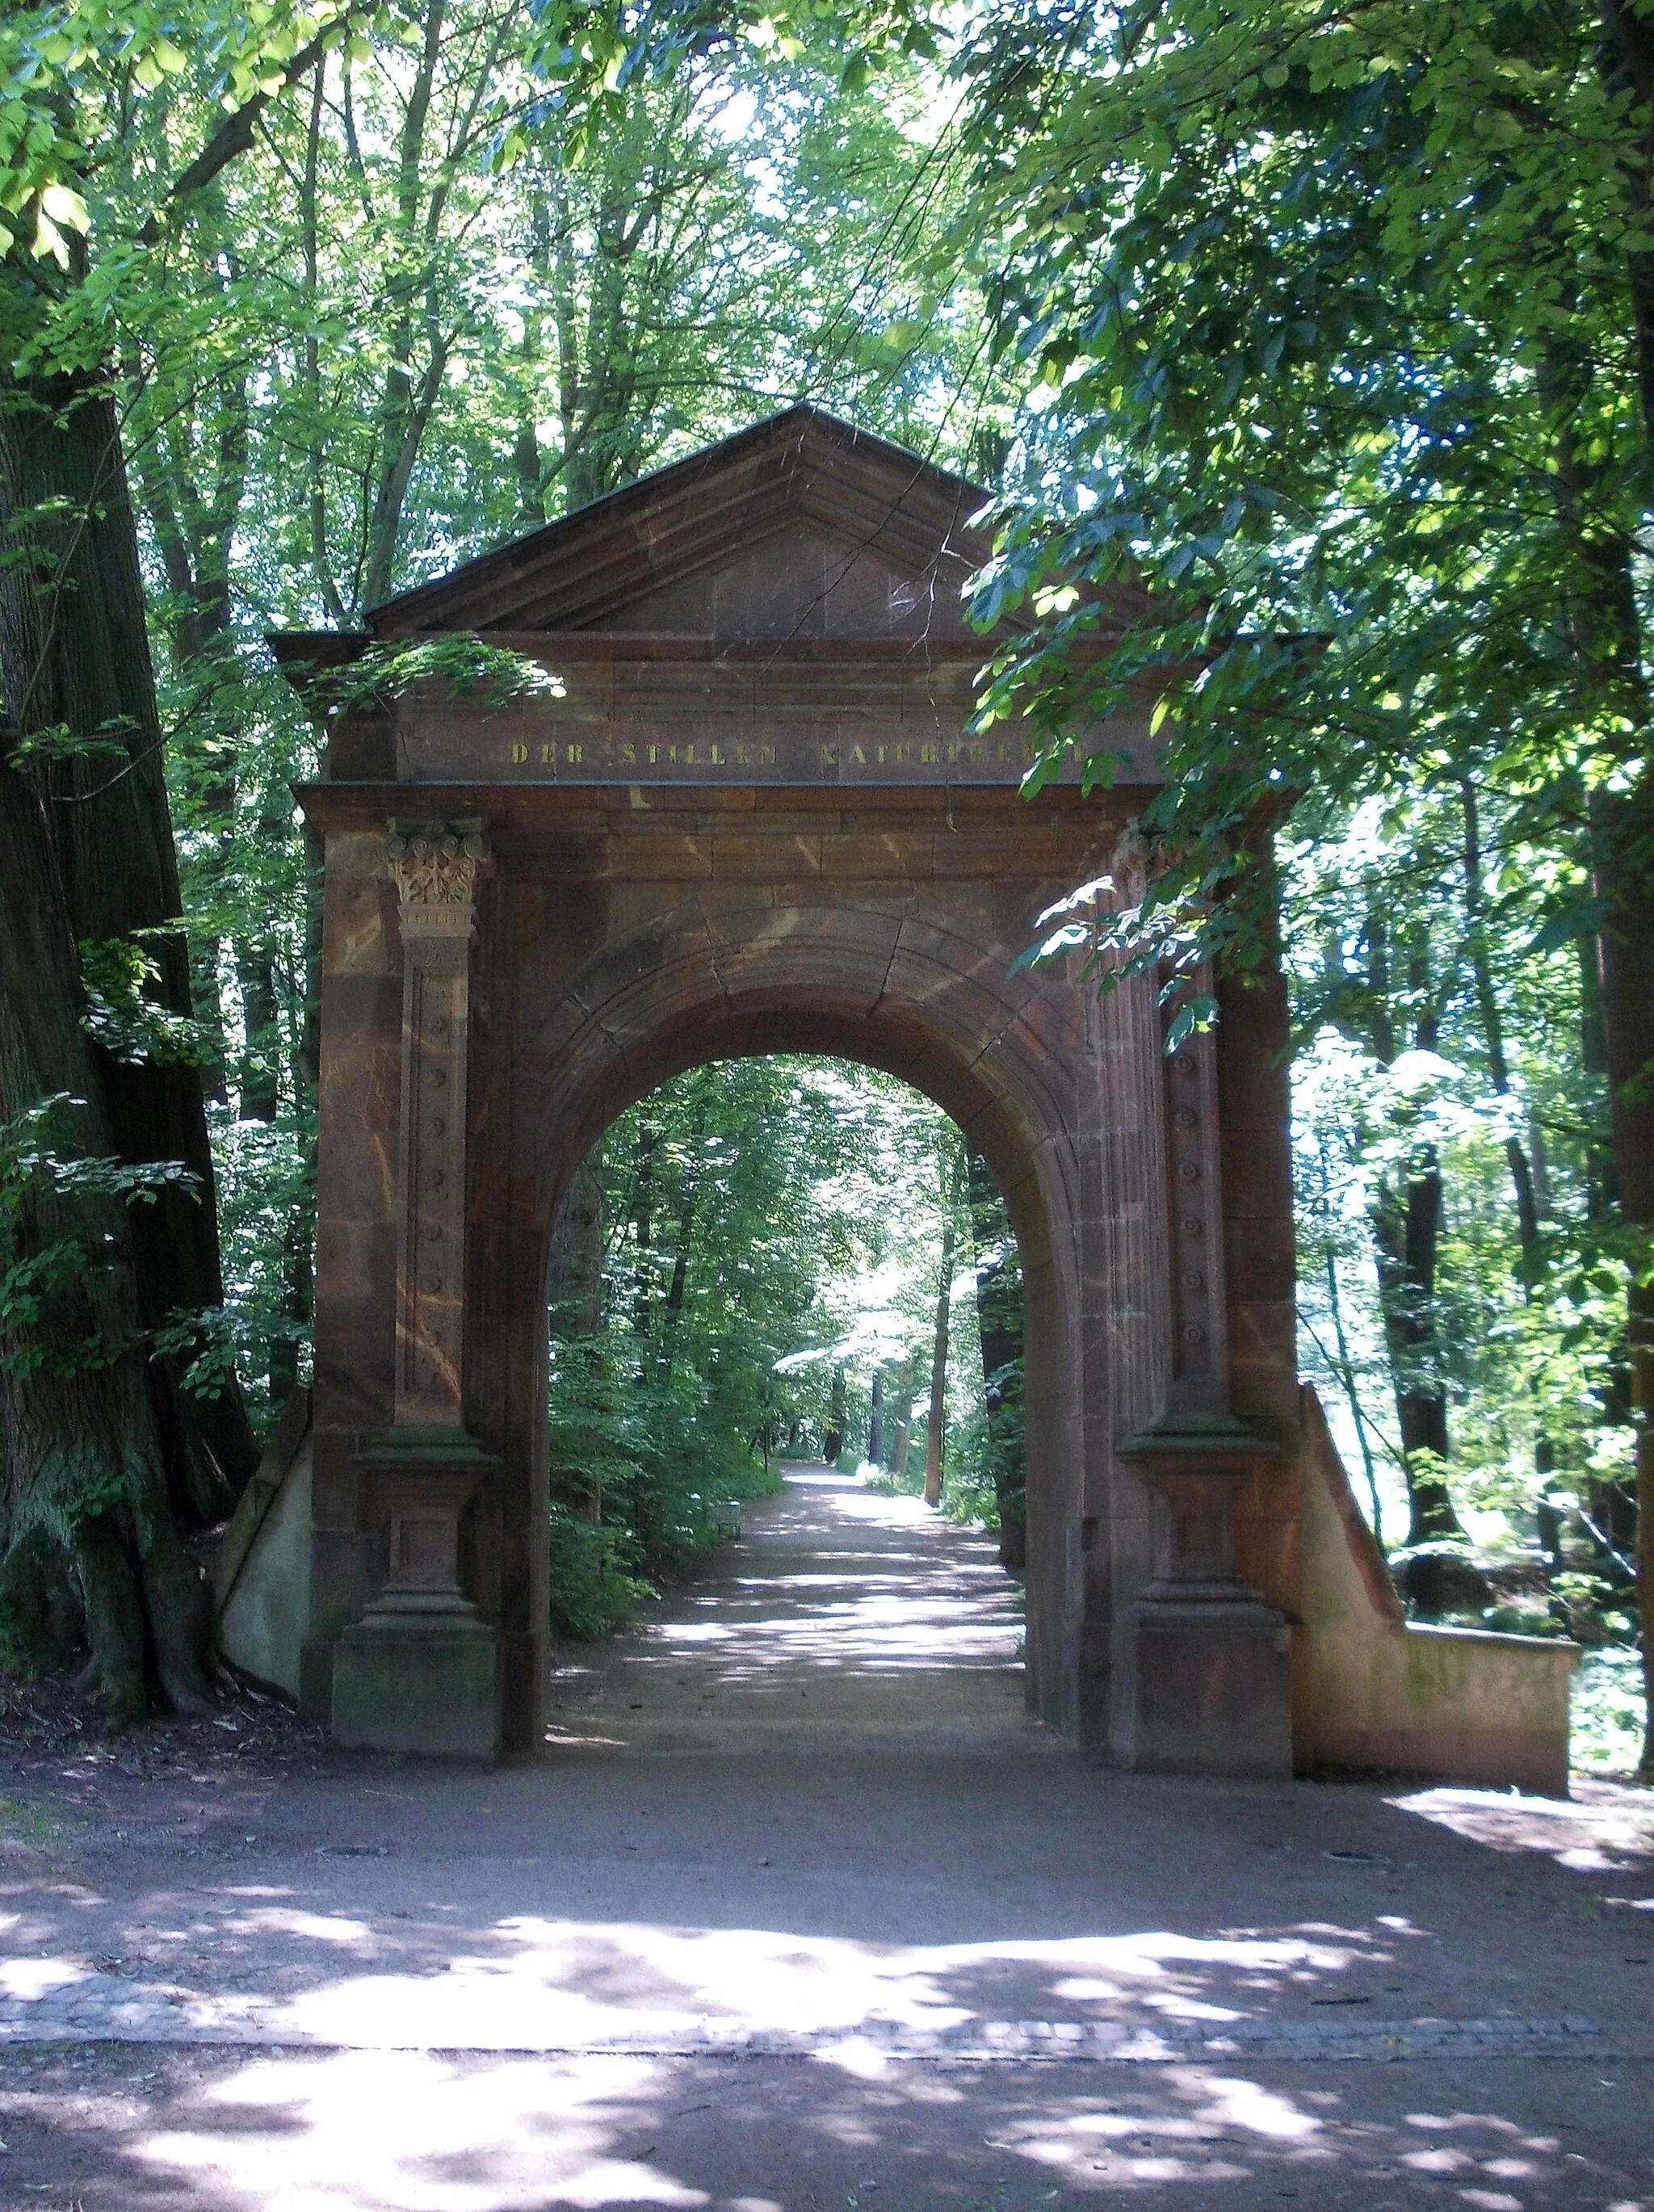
1207,1683
417,1672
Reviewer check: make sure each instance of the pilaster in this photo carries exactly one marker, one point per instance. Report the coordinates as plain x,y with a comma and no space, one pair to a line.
418,1671
435,869
1200,1674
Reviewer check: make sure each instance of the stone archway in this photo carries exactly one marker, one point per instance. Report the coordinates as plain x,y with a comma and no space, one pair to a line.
757,819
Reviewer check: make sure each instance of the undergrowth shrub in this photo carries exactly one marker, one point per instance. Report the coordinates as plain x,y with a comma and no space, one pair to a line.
638,1469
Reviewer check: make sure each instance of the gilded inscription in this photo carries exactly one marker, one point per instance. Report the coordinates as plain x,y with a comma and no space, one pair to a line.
830,755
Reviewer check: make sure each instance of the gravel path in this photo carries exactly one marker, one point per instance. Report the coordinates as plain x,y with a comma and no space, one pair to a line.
799,1911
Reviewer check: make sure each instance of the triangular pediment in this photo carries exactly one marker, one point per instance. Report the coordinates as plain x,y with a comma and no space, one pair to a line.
802,527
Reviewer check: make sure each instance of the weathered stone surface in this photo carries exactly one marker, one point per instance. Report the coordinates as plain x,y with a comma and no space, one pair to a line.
435,1692
757,821
261,1571
1380,1692
1210,1691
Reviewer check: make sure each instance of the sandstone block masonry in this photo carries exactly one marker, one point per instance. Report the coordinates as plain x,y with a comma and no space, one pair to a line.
750,814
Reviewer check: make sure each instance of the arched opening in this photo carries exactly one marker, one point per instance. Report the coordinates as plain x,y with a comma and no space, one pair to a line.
785,1299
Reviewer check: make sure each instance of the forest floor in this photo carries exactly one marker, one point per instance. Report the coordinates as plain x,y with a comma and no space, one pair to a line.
799,1911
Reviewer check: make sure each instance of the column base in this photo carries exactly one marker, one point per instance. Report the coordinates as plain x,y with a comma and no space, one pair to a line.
418,1673
1208,1689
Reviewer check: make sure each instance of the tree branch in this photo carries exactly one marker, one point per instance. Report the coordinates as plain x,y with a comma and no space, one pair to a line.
234,134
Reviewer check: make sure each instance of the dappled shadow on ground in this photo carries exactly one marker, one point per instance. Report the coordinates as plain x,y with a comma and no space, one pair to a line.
267,1961
841,1611
377,2131
761,2053
760,1974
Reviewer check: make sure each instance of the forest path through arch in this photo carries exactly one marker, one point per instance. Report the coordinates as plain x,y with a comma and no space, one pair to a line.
840,1618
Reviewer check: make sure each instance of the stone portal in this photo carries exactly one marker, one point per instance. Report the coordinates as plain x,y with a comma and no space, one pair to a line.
752,816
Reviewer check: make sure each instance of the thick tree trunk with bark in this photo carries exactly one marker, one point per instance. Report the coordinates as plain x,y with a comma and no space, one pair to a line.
85,1464
1607,635
74,658
1628,948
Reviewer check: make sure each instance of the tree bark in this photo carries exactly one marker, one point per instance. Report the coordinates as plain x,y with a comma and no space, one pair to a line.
1605,633
1407,1230
902,1437
85,1460
575,1288
1408,1235
74,656
1628,1024
1524,1181
643,1226
259,1085
575,1303
837,1415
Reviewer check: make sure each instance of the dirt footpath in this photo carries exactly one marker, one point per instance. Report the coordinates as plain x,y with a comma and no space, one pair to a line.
840,1618
797,1910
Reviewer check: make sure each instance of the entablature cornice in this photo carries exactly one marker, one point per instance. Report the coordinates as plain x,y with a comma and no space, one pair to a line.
792,836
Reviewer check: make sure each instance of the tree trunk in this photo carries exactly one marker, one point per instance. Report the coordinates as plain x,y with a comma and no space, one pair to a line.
85,1453
688,1201
673,1312
999,1319
1524,1181
643,1223
300,1237
1628,1024
260,1088
574,1286
74,657
833,1442
1346,1376
1407,1230
902,1437
574,1303
876,1420
933,1433
1606,633
1406,1237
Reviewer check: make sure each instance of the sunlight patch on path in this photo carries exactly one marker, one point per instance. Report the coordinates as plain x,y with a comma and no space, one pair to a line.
573,1986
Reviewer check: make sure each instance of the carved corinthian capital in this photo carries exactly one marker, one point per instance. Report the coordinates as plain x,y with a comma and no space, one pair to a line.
434,866
1137,861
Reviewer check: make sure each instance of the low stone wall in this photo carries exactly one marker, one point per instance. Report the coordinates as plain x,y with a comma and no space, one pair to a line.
1384,1692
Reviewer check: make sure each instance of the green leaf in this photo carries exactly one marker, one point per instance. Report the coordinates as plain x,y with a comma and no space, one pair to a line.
1569,923
66,208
